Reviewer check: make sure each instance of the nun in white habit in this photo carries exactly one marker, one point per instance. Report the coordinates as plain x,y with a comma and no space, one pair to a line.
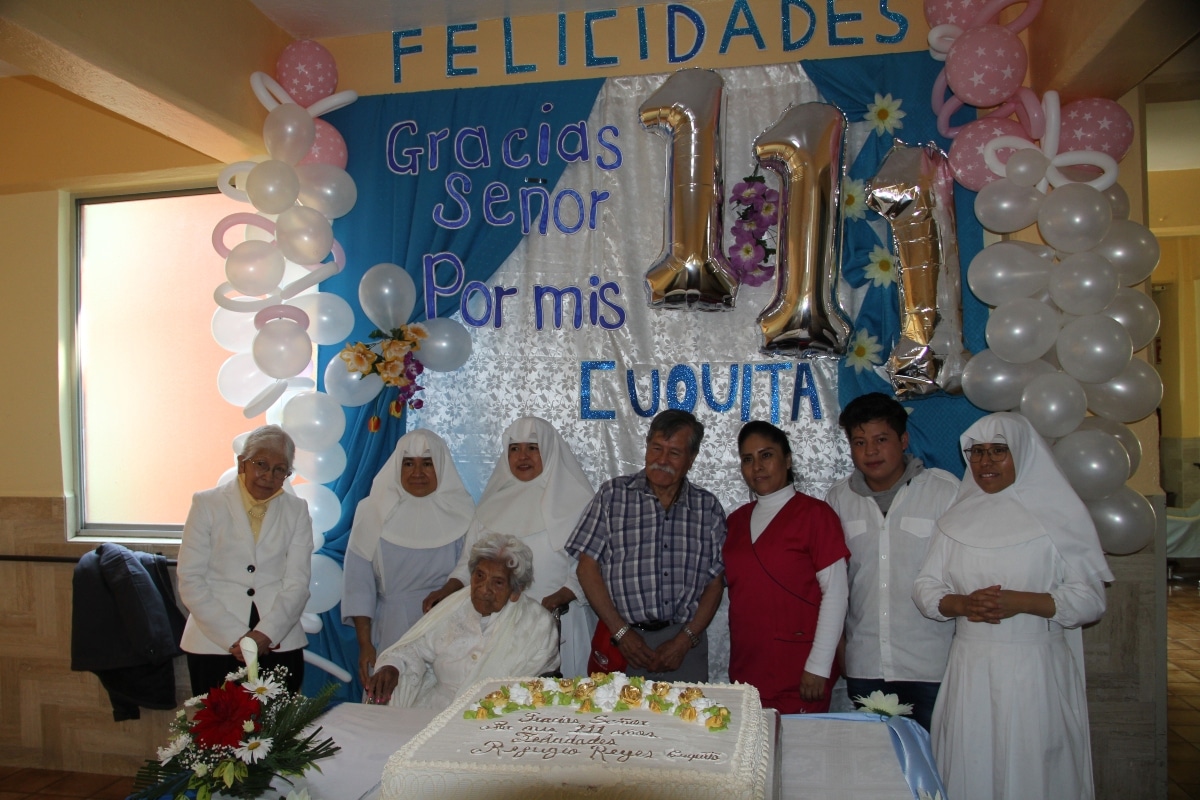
406,538
1017,565
537,493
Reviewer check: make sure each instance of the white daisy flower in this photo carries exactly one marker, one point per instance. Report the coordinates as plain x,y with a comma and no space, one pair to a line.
882,267
885,114
253,750
863,352
888,705
173,748
854,199
265,688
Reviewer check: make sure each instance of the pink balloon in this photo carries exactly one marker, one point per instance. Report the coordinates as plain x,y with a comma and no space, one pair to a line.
958,12
1098,125
328,148
306,70
986,65
966,154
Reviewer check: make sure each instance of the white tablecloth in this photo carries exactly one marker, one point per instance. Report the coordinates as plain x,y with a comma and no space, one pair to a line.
829,759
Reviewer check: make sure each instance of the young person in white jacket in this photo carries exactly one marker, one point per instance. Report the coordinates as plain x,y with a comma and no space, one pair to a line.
888,507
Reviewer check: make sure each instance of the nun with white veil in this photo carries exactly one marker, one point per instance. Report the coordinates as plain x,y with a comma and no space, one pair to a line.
537,492
406,538
1017,565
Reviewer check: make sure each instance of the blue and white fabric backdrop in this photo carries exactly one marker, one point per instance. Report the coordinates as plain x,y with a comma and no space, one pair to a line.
518,369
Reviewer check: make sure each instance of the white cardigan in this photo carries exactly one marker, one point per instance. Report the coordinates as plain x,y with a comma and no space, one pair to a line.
222,570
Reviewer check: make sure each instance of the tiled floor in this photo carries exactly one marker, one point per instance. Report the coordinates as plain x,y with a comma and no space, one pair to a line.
1183,722
1183,690
48,784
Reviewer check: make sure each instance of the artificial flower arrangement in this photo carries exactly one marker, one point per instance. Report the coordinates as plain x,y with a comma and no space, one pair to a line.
604,692
754,230
885,705
233,740
391,357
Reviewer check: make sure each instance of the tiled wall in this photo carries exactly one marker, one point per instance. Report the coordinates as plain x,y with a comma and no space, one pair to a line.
51,717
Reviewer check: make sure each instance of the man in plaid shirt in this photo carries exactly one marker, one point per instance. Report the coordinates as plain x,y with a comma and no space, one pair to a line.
649,550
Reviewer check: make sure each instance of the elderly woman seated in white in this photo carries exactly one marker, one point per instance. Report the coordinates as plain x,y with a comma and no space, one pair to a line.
490,629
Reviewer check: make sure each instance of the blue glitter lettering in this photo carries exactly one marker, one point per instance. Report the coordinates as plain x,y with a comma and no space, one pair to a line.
674,11
682,374
901,25
631,384
453,50
585,390
790,44
741,7
774,368
589,43
833,19
439,210
710,397
806,386
509,67
398,51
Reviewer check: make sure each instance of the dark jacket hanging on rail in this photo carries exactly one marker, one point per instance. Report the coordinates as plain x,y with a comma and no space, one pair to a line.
126,627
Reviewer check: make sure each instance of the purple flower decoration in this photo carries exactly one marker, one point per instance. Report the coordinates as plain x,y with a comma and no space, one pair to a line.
749,193
757,275
752,224
746,255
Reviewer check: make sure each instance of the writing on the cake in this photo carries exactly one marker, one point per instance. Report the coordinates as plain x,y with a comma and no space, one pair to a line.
514,751
694,756
550,738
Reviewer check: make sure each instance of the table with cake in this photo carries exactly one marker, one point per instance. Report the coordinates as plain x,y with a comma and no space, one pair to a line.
612,737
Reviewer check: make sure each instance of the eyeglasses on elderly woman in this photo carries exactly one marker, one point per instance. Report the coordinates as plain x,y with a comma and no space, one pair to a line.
995,452
279,473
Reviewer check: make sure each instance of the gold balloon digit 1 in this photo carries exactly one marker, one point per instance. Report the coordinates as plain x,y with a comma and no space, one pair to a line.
692,271
805,149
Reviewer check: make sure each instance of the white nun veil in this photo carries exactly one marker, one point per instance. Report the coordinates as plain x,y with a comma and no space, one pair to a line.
421,523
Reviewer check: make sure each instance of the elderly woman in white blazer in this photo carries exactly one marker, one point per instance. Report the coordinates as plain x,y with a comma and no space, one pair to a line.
244,566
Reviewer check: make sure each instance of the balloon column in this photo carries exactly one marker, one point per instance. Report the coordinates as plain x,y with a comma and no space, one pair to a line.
1066,319
267,314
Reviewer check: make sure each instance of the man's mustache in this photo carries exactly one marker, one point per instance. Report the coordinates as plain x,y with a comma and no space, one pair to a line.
665,468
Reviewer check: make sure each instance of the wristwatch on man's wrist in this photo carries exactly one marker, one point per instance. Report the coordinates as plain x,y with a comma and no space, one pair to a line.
616,637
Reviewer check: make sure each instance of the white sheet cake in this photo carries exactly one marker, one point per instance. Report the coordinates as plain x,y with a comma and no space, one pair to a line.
512,739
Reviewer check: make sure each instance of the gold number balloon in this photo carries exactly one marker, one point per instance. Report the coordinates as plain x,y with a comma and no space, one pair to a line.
692,271
805,148
914,190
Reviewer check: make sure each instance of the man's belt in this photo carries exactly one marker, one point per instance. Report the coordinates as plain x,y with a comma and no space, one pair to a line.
650,625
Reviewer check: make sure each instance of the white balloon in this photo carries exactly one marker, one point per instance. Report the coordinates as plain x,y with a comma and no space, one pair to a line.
233,330
1005,271
1094,462
1026,167
228,476
289,133
324,586
323,505
254,267
282,348
1004,207
1125,521
1132,248
447,347
311,623
1119,201
239,380
993,384
320,467
1094,349
318,540
295,386
327,188
1122,433
351,389
1137,313
330,318
1074,218
314,420
304,235
387,295
1084,283
1022,330
1130,396
272,187
1054,404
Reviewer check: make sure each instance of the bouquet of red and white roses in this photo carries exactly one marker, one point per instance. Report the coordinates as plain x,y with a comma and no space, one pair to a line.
236,738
